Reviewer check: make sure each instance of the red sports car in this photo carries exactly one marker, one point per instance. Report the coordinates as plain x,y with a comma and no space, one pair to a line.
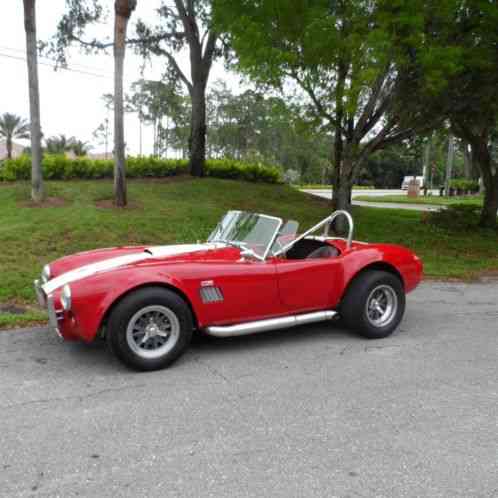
254,274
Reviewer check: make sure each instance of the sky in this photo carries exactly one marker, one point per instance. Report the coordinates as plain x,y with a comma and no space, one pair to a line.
71,101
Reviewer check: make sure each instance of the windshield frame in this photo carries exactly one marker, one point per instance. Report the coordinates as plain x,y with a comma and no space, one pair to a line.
272,239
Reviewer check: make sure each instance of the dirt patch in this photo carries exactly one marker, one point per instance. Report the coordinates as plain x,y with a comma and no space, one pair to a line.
488,276
13,309
109,204
48,202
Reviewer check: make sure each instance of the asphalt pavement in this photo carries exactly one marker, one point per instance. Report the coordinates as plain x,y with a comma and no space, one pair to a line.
308,412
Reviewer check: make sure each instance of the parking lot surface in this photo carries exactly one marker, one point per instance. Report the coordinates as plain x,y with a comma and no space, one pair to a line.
314,411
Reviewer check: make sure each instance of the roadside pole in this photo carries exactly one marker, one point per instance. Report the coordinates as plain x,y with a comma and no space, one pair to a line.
425,171
449,164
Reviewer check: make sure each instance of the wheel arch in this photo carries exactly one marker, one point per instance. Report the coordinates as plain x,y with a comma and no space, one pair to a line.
129,291
375,266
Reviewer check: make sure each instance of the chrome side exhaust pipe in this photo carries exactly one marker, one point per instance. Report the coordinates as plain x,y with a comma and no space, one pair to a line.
259,326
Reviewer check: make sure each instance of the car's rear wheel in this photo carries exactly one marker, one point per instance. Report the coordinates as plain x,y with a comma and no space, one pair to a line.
150,328
374,304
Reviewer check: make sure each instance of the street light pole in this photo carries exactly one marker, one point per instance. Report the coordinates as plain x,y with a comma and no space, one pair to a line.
449,164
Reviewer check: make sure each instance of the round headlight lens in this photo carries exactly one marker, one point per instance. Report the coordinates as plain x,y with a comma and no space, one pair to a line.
46,273
66,298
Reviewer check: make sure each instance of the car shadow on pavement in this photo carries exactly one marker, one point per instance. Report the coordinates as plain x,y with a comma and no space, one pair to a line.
291,337
97,357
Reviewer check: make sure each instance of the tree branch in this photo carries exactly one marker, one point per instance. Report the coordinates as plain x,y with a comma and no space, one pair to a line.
371,104
210,47
130,41
175,66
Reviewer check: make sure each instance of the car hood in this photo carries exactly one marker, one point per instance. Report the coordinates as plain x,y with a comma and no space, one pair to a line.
83,265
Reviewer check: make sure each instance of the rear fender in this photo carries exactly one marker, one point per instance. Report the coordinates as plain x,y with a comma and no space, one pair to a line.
393,259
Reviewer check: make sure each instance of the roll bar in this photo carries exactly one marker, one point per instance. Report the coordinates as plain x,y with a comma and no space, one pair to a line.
326,222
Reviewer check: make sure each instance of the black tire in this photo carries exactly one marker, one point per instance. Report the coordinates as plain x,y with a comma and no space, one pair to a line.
363,291
148,306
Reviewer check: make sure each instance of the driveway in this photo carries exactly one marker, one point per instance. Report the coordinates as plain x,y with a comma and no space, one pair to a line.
327,194
309,412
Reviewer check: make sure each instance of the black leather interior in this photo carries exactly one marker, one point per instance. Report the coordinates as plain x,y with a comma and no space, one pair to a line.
310,248
323,252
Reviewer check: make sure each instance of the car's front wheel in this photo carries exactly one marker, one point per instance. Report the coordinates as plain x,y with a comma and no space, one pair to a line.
374,304
150,328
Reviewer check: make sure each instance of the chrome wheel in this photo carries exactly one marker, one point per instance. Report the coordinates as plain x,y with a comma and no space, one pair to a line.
382,306
153,332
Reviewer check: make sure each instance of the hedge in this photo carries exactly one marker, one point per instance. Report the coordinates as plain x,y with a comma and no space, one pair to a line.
463,185
59,167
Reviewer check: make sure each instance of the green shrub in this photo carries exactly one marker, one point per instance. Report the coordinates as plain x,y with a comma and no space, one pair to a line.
59,167
455,217
238,170
463,185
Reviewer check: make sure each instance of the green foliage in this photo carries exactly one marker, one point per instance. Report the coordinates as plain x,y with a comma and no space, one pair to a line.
59,167
457,217
235,170
433,200
464,185
257,127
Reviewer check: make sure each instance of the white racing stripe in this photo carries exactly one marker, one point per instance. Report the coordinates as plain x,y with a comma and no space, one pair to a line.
113,263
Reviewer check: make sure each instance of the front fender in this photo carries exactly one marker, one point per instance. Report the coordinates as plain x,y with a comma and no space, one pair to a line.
92,298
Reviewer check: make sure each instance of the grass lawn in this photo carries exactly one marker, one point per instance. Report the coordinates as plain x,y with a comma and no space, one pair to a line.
430,199
186,210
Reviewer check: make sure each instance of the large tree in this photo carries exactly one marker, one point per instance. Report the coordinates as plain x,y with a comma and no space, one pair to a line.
34,100
12,127
183,24
186,23
464,34
343,56
474,110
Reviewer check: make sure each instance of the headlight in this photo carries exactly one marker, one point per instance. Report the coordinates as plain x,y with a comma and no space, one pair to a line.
46,274
66,297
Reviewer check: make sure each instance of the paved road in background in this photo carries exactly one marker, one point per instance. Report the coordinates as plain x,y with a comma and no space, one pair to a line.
327,194
309,412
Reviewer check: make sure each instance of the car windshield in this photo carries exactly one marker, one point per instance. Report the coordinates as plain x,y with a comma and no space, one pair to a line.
255,232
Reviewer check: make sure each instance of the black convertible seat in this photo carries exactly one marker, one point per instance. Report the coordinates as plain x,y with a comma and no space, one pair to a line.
312,248
323,252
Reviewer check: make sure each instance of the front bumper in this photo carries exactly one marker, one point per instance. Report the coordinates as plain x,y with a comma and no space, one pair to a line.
54,316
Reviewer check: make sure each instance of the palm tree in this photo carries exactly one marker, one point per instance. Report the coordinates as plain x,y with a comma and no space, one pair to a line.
58,144
11,127
79,147
123,10
34,100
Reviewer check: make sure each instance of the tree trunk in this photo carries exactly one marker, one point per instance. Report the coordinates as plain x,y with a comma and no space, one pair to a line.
467,161
481,155
9,147
342,188
449,164
123,10
34,101
197,142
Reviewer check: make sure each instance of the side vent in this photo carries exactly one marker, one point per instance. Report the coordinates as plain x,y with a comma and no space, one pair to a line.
211,294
